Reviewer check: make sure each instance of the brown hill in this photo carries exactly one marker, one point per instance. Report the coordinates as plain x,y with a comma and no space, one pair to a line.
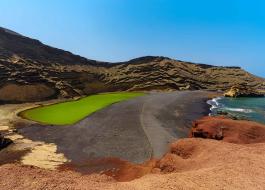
32,71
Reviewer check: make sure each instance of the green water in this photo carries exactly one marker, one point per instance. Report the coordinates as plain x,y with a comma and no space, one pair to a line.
246,108
73,111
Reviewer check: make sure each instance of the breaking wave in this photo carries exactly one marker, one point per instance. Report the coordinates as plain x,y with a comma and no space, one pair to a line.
216,105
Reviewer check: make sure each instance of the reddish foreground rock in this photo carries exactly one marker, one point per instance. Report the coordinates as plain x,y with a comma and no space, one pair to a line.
233,131
237,161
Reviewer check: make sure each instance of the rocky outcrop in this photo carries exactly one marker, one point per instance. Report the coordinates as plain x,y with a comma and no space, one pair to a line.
243,90
228,130
4,142
29,64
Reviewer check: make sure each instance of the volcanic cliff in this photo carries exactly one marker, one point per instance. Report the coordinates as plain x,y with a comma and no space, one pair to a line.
32,71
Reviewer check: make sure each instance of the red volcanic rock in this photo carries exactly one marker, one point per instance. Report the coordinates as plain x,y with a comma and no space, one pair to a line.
228,130
116,168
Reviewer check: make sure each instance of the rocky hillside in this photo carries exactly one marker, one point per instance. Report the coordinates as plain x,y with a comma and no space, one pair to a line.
32,71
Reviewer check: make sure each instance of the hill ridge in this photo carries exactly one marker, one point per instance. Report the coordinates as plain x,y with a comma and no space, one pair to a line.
32,71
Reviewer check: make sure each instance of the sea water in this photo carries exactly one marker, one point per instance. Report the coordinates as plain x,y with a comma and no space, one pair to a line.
242,108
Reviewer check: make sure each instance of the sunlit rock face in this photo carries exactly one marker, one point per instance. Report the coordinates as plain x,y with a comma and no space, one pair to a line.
243,91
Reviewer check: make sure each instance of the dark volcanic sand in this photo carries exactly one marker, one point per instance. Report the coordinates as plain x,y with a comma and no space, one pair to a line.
135,130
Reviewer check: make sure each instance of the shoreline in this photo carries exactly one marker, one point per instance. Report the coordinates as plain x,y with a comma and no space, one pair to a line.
242,108
241,143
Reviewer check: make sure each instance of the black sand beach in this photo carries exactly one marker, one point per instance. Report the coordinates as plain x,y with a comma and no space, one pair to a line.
135,130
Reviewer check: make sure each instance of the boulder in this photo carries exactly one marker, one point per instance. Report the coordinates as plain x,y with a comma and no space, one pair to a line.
4,142
242,91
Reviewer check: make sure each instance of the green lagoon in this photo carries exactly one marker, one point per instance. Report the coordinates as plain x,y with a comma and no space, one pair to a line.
70,112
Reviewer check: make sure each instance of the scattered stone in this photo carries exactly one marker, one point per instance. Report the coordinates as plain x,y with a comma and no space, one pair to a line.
220,112
200,134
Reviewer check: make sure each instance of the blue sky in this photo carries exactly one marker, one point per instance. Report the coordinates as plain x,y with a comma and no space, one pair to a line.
220,32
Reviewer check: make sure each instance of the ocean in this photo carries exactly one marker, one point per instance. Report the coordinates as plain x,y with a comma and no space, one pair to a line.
242,108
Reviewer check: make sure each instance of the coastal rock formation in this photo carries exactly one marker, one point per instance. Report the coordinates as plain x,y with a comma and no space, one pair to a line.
42,72
243,90
228,130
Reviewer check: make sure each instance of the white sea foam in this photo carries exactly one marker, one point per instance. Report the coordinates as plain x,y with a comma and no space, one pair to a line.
214,103
215,100
239,110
